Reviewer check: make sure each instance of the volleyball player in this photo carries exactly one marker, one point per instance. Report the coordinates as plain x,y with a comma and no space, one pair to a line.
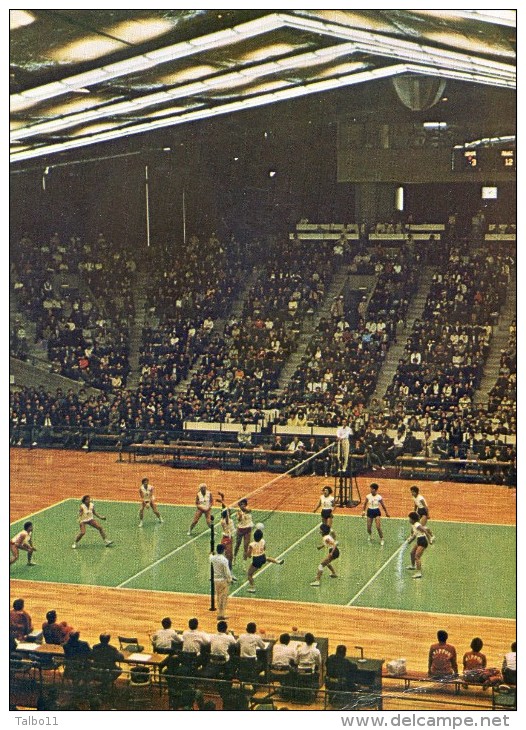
244,527
421,507
421,534
146,493
227,532
371,506
329,541
203,503
256,551
22,541
326,502
87,516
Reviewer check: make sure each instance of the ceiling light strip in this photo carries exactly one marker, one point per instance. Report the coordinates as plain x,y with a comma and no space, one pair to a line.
396,48
269,98
471,76
178,92
153,58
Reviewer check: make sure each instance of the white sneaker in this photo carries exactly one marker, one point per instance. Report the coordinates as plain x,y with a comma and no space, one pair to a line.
234,578
188,533
382,542
315,583
417,575
109,542
74,546
140,524
161,520
431,540
410,567
251,590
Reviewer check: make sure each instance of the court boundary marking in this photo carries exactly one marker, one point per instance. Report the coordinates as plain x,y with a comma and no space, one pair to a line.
286,511
235,593
270,600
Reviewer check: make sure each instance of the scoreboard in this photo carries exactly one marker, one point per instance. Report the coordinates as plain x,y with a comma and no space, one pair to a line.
485,159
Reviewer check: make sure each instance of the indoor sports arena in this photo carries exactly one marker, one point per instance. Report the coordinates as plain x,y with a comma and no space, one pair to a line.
263,379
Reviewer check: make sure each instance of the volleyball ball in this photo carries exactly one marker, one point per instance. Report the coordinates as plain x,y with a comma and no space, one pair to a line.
260,526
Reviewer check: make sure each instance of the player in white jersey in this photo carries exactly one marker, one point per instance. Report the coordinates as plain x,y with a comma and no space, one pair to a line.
203,503
421,507
256,551
227,532
371,506
22,541
146,493
423,538
244,527
87,516
326,502
329,541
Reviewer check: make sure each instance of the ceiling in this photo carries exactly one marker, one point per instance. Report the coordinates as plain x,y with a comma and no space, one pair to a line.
83,77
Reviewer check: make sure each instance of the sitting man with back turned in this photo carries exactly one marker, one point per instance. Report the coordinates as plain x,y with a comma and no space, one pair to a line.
104,660
442,661
163,639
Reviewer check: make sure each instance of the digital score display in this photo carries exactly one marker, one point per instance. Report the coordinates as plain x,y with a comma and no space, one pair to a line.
508,159
470,158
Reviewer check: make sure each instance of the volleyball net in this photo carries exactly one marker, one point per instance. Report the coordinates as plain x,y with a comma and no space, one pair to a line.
282,490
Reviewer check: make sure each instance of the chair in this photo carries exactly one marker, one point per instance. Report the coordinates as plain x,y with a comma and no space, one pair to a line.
503,696
247,669
188,663
139,687
129,643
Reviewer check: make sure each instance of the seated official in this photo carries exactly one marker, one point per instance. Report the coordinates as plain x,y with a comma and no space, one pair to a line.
194,639
163,640
308,656
283,654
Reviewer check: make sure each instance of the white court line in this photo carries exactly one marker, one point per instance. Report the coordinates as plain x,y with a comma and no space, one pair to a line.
160,560
44,509
300,539
353,599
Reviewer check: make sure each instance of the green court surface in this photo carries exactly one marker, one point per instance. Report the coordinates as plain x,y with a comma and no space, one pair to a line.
464,573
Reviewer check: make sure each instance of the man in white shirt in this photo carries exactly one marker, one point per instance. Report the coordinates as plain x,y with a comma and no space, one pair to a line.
222,579
283,654
193,639
163,638
221,642
308,655
250,642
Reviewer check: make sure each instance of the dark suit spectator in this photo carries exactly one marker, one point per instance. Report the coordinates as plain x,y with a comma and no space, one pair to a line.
76,655
104,658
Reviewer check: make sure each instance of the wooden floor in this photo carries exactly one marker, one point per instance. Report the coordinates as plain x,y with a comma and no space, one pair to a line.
40,478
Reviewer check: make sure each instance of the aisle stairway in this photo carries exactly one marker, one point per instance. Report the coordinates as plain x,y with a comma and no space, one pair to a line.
136,328
499,341
235,312
396,351
310,325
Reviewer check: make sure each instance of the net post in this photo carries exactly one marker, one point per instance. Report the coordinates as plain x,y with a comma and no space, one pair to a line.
212,551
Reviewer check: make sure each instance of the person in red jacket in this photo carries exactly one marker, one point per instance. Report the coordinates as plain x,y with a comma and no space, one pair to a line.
442,660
